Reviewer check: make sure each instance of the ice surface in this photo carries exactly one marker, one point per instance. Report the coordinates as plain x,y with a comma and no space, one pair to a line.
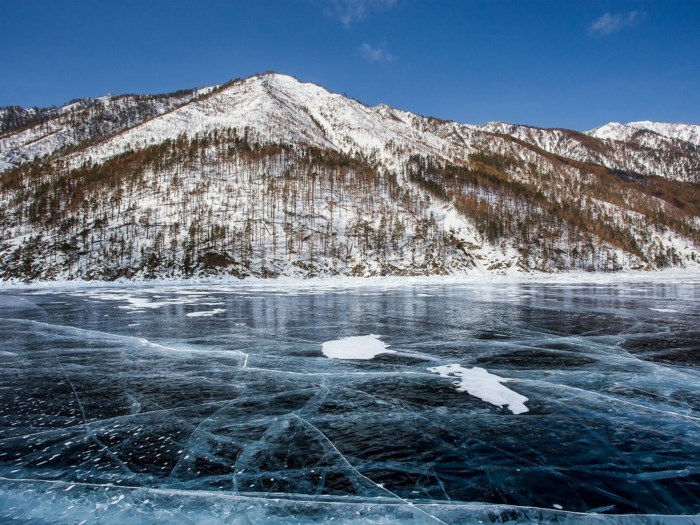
480,383
355,347
137,415
206,313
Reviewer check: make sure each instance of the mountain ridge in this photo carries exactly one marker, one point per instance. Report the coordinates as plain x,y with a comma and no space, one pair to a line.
554,140
62,107
497,197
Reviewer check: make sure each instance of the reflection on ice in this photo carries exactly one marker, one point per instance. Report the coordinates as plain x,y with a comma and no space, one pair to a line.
206,313
147,414
487,387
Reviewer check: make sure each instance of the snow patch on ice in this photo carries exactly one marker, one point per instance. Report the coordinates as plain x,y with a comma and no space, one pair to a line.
480,383
356,347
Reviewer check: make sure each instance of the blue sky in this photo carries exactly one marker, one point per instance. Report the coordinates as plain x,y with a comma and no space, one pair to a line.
568,63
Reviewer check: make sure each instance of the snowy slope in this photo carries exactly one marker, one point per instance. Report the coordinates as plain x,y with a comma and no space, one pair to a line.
615,131
630,148
278,108
82,121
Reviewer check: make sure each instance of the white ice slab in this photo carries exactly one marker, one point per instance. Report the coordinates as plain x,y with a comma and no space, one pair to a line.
480,383
356,347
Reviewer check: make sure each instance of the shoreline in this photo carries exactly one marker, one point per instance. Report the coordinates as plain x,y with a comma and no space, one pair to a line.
686,276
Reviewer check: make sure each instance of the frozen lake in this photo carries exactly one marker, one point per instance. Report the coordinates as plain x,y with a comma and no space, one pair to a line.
431,403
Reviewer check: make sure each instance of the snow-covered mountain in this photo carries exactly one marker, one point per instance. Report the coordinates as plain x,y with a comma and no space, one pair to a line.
268,175
623,132
30,133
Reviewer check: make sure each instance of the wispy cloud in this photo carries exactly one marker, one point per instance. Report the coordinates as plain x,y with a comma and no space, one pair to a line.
610,23
376,54
350,11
